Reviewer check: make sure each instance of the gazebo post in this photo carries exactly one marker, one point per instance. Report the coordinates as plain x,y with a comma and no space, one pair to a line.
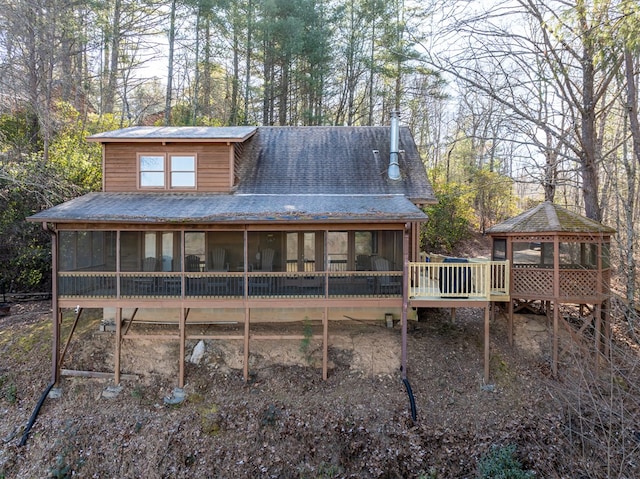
554,365
510,321
556,302
598,333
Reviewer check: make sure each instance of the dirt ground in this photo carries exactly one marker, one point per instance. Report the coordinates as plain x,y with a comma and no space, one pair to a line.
286,422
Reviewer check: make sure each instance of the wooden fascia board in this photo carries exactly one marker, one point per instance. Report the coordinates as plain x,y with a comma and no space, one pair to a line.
171,139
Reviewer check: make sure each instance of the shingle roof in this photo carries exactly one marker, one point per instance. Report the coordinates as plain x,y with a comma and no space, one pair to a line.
176,133
201,208
331,160
285,174
548,217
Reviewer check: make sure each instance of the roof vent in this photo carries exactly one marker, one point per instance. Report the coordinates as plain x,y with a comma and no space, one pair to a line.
394,167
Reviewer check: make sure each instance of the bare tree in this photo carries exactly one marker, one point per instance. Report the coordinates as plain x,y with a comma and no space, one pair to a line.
565,42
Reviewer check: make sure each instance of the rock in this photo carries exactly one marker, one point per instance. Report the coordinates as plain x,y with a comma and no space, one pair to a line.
198,353
111,392
177,396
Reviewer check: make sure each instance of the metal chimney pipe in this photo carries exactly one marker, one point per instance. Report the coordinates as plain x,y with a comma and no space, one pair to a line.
394,166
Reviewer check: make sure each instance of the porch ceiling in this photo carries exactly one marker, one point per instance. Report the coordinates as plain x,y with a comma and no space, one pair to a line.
215,208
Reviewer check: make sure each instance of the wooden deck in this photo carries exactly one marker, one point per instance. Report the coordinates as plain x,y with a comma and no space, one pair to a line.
471,281
451,283
426,284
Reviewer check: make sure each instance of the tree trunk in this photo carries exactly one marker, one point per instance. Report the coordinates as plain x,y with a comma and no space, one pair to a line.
172,41
114,52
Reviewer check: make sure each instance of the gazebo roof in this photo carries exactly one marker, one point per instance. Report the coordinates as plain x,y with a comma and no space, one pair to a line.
548,217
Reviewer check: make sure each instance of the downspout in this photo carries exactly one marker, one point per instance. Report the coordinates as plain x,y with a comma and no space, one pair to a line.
56,332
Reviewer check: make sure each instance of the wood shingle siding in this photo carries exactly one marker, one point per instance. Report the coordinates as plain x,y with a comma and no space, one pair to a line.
213,165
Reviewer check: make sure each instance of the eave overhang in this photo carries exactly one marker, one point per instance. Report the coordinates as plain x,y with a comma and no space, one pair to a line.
202,209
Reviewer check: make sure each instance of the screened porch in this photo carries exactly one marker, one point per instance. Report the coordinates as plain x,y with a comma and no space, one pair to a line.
229,264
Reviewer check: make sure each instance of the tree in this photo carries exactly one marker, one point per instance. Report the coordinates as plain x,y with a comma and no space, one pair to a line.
566,43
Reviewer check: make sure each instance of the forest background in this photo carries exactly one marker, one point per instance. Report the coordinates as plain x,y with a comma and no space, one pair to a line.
511,102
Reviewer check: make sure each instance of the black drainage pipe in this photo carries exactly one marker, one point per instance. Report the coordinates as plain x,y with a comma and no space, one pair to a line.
34,415
412,400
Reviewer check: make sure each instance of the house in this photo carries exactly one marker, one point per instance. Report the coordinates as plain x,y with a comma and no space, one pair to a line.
240,225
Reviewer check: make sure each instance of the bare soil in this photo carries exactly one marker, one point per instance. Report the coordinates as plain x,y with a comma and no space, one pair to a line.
286,422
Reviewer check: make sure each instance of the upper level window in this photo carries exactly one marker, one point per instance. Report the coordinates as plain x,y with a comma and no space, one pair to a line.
183,171
167,171
151,171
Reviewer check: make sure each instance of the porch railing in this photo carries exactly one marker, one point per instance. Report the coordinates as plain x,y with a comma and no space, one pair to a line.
474,279
224,284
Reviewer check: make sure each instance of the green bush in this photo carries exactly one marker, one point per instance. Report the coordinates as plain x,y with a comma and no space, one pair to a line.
450,220
500,463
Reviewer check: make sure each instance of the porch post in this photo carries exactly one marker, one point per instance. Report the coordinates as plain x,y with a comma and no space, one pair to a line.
247,311
56,314
405,299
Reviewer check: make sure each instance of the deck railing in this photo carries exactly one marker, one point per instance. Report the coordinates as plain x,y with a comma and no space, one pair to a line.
473,279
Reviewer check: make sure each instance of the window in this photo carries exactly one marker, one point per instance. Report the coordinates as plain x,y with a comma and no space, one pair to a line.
151,171
183,171
172,171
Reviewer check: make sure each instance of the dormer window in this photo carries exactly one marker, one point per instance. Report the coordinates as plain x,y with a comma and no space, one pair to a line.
183,171
167,171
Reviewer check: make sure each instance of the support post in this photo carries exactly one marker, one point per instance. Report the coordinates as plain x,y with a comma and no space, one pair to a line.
607,328
247,311
245,366
405,299
487,357
598,334
55,353
325,344
118,351
56,315
183,334
510,322
556,313
556,302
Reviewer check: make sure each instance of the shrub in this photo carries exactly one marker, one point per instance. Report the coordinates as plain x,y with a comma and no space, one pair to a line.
500,463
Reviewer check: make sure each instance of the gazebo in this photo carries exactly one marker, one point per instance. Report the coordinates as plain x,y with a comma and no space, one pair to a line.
557,257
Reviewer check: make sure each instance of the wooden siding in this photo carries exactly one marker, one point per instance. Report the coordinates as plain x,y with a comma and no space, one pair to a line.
121,169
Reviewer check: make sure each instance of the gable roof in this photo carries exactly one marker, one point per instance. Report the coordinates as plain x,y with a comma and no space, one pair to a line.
548,217
331,160
304,174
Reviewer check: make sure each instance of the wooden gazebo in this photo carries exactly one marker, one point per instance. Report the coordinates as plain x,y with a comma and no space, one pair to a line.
557,257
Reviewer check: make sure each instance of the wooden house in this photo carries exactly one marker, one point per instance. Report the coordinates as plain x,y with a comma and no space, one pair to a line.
211,226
